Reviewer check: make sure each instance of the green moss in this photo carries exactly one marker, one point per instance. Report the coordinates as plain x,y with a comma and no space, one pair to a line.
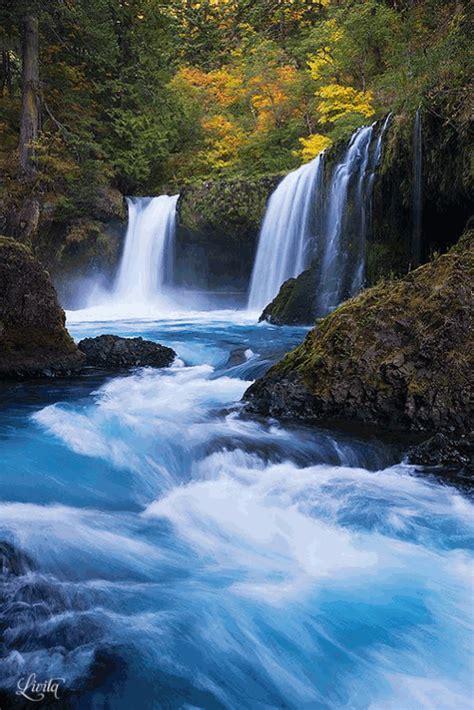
295,302
388,328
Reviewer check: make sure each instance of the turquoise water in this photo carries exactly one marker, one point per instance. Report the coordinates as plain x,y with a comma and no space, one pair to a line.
188,557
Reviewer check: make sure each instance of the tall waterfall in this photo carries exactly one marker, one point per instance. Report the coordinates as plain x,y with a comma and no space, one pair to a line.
417,191
283,245
336,256
325,218
147,261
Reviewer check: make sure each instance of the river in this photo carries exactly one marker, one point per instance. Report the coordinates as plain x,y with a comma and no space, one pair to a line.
185,556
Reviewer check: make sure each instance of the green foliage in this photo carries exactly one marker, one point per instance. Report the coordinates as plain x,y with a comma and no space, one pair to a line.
154,94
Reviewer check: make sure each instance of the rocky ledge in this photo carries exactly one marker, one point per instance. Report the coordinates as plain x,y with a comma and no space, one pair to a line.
398,357
115,353
33,339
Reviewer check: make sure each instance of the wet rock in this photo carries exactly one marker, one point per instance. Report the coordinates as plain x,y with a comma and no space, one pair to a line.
33,339
218,223
397,357
13,562
113,352
446,451
295,303
238,356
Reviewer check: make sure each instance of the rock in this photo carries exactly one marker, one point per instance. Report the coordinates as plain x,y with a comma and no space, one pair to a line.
13,562
33,339
295,302
446,451
397,357
238,356
113,352
218,224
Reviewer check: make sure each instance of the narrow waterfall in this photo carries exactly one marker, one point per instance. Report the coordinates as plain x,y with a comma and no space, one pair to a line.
147,261
285,235
365,191
417,191
344,237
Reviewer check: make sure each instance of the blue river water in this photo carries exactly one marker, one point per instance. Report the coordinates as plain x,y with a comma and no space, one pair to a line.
185,556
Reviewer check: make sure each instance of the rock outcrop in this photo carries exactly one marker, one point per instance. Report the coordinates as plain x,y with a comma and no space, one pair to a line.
443,450
217,230
294,304
397,357
33,339
112,352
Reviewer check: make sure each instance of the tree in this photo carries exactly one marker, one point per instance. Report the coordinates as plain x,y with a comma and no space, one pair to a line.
30,104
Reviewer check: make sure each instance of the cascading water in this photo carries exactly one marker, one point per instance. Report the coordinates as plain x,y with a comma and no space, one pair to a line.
287,227
417,191
147,261
305,220
365,191
336,256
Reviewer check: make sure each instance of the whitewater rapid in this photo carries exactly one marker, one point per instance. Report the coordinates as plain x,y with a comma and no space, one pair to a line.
215,561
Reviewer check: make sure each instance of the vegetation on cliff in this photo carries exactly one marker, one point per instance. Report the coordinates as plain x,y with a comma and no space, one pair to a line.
398,356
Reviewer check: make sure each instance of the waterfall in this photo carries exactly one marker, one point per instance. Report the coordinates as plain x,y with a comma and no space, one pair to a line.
147,261
285,235
417,191
325,218
365,193
339,251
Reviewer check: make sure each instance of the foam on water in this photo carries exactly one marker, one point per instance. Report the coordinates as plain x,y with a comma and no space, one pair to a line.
229,562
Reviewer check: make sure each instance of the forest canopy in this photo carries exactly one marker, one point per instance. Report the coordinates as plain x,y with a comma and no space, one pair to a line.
153,94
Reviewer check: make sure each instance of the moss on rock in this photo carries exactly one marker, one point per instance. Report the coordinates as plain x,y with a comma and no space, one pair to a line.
217,230
399,356
33,337
295,303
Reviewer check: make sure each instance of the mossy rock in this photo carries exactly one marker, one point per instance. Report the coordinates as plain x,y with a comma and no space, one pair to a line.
217,231
295,303
33,337
397,357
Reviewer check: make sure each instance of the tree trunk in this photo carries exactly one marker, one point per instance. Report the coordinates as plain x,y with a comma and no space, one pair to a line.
6,84
30,105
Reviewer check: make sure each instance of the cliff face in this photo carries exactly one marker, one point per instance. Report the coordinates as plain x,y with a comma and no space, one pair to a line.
72,243
217,231
446,180
397,357
33,339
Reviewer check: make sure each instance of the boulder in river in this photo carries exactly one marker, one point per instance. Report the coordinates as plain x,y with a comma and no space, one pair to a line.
113,352
33,339
398,357
295,303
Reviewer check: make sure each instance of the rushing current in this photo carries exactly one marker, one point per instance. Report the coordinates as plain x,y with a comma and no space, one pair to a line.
183,556
147,260
286,232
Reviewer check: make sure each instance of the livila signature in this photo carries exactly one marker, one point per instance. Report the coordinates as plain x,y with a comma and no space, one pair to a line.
35,690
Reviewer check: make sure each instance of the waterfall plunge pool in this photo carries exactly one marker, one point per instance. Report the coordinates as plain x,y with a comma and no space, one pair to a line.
185,557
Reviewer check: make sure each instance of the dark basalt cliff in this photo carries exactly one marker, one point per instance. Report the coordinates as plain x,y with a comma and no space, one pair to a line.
397,357
33,339
217,230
